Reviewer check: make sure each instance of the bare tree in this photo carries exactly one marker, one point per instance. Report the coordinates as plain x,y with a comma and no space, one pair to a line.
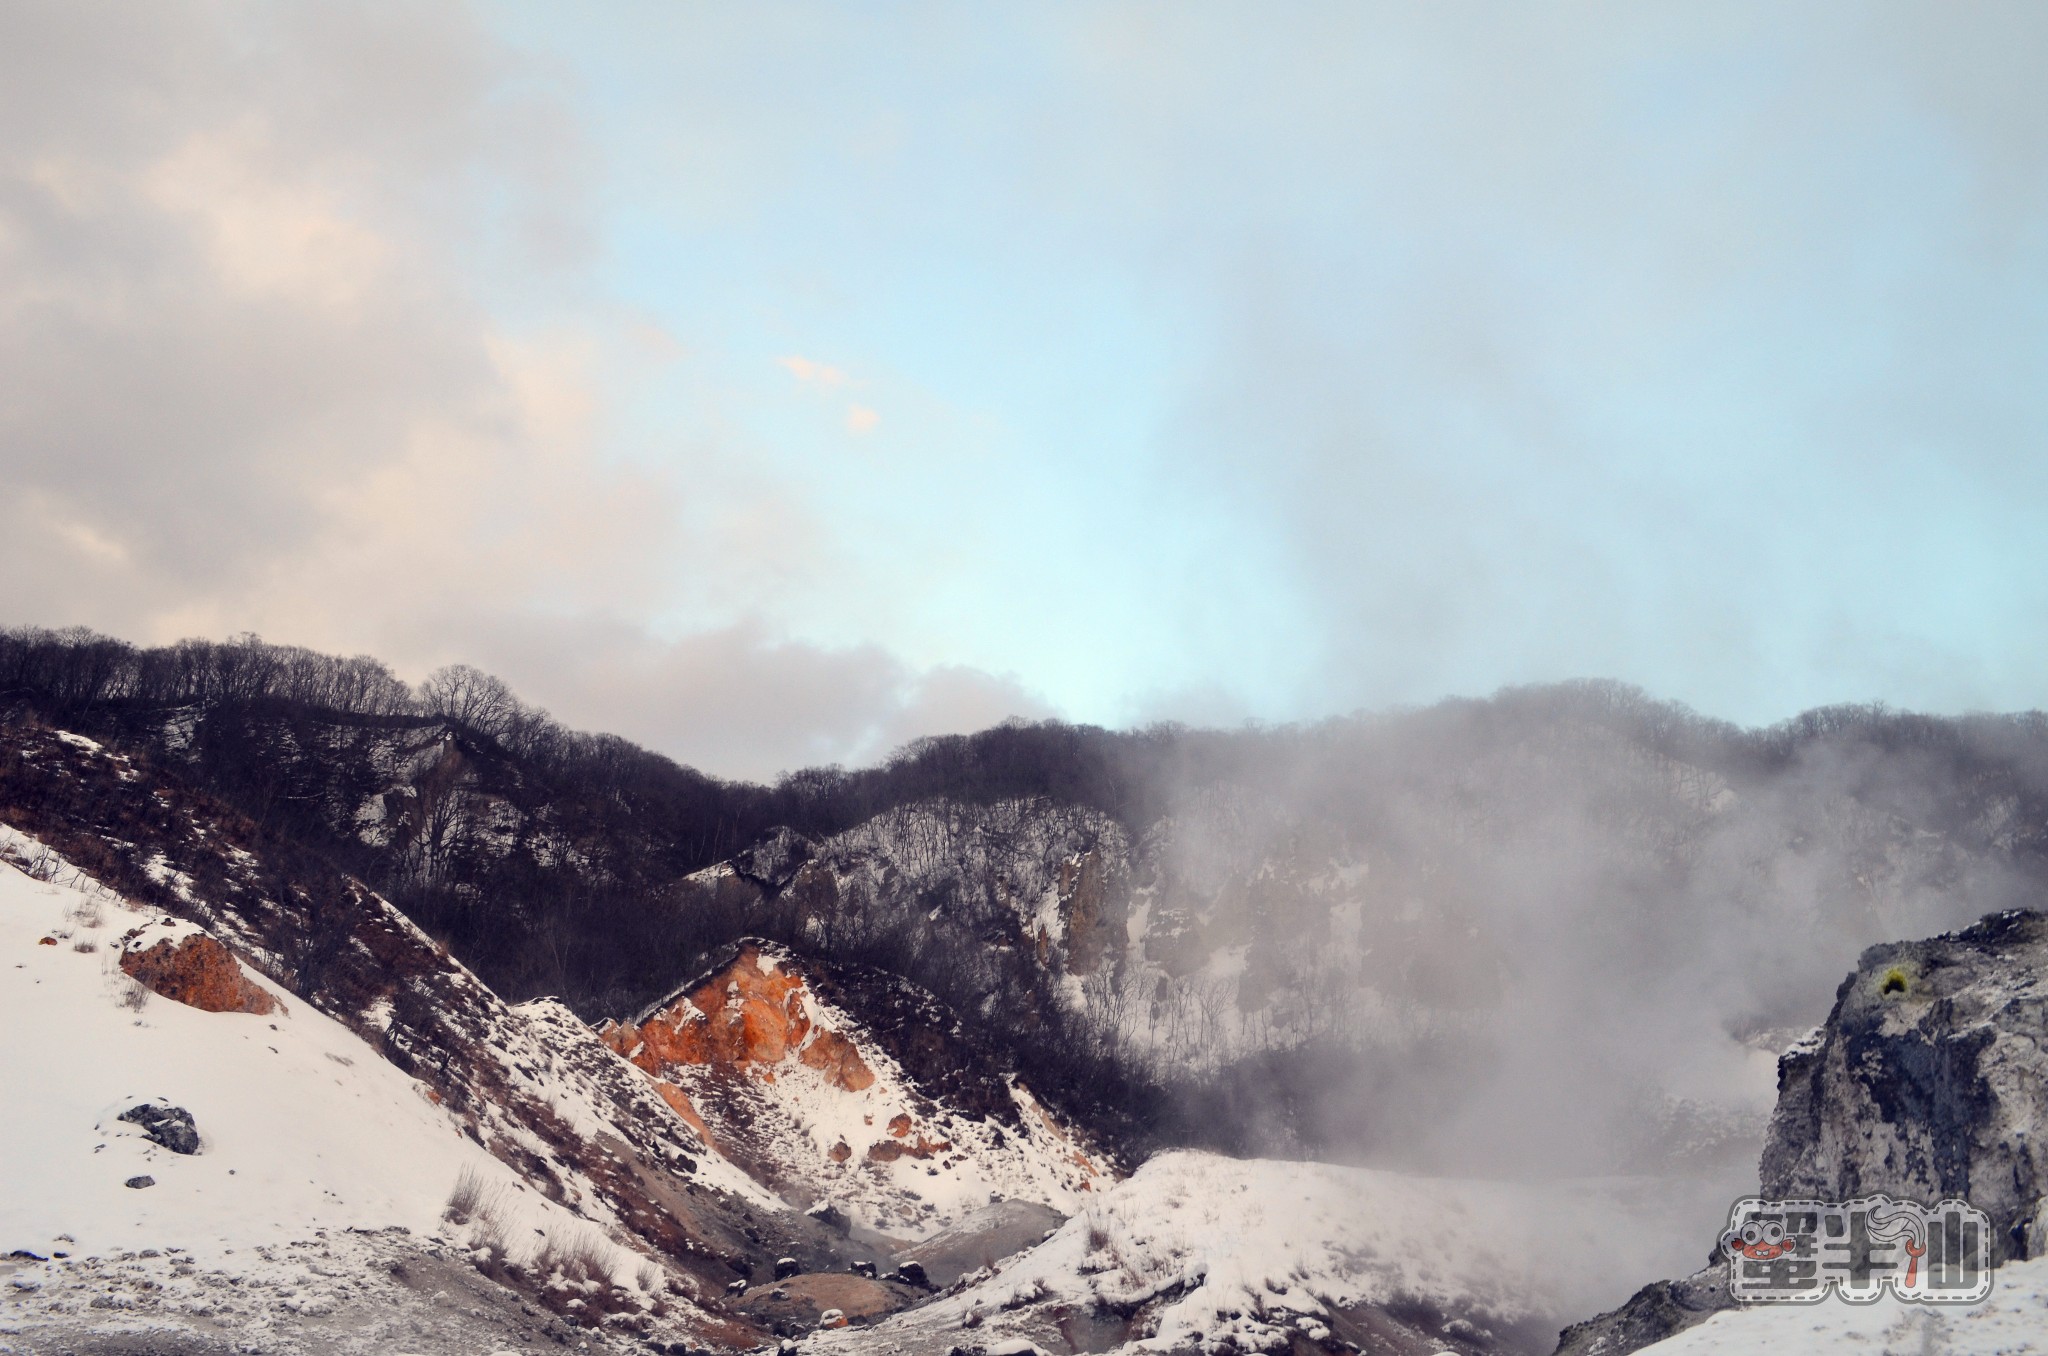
469,696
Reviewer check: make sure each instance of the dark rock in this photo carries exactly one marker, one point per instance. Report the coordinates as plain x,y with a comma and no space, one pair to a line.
1657,1311
832,1217
140,1182
170,1126
1929,1080
912,1273
786,1267
775,859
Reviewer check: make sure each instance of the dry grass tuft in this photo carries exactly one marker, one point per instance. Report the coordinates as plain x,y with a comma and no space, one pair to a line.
471,1194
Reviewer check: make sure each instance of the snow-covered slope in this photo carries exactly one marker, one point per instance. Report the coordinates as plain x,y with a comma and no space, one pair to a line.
806,1097
2012,1322
1195,1250
303,1126
230,915
308,1140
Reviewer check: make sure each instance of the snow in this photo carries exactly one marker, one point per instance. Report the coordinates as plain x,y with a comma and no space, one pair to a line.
1253,1249
306,1132
794,1115
2013,1320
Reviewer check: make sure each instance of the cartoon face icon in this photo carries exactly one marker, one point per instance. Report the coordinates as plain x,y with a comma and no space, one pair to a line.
1759,1240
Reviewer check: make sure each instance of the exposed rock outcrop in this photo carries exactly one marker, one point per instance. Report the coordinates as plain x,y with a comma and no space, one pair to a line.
849,1092
748,1017
170,1126
1657,1311
1929,1080
194,969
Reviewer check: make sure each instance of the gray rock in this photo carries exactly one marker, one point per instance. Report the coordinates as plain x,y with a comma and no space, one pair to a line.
1657,1311
170,1126
1929,1080
140,1182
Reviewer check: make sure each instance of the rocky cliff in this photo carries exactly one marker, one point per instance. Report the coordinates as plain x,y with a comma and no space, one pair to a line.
829,1109
1928,1081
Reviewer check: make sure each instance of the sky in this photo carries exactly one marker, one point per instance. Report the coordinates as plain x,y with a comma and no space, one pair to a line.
775,383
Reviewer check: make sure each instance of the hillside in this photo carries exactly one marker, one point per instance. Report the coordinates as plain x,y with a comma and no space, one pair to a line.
360,1099
928,1012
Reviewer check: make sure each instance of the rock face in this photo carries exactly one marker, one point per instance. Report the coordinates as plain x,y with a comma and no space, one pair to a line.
1655,1312
195,970
747,1017
170,1126
888,1119
1930,1080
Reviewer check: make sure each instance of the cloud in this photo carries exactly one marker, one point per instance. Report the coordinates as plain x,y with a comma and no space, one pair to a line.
254,384
742,701
861,419
814,373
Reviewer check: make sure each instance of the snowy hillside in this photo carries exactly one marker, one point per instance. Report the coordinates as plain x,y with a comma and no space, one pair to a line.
1194,1250
2012,1322
317,1166
805,1097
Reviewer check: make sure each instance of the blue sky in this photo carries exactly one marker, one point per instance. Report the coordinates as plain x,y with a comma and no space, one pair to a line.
1111,361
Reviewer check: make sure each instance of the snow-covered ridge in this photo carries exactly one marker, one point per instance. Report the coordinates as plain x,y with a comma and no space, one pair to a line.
801,1093
1199,1252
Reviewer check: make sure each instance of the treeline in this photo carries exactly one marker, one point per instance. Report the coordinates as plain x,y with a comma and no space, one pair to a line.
76,672
91,680
80,676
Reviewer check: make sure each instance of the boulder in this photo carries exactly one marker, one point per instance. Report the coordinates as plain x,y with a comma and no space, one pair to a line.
194,970
170,1126
140,1182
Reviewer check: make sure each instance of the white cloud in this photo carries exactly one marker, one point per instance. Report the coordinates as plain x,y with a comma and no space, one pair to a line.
814,373
252,386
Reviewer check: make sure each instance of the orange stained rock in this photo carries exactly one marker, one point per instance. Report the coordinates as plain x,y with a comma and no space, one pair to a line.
889,1150
744,1014
680,1104
198,972
837,1057
748,1016
899,1124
